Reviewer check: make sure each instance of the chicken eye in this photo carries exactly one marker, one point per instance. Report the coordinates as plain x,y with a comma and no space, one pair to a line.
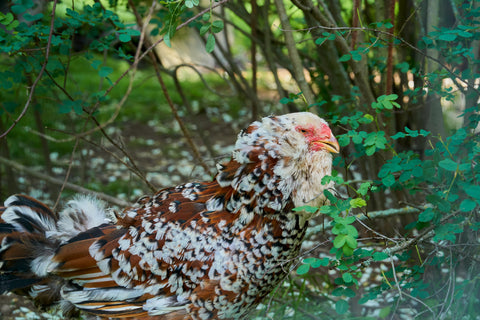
304,131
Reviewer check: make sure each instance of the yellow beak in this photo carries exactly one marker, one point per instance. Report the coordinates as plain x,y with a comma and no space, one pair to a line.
331,144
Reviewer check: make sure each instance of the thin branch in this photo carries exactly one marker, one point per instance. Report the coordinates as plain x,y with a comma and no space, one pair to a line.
183,128
355,21
68,185
39,76
219,93
253,56
132,67
455,77
134,168
67,174
397,284
361,79
389,76
293,53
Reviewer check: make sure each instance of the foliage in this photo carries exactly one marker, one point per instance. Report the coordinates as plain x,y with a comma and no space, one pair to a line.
403,224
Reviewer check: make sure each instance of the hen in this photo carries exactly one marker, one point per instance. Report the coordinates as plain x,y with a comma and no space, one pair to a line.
201,250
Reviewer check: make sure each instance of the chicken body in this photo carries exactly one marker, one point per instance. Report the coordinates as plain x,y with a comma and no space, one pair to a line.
202,250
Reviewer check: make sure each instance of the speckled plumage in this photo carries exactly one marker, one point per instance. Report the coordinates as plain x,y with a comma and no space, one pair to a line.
201,250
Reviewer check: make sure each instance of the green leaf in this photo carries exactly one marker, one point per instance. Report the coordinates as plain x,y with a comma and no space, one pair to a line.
324,262
6,19
320,40
448,164
331,36
341,306
473,191
357,138
426,215
392,96
388,25
123,37
312,261
65,107
339,241
403,66
467,205
358,203
285,100
210,46
347,251
95,64
389,180
384,312
417,172
345,58
464,34
30,18
398,135
364,187
204,29
349,292
303,269
369,118
338,291
346,220
351,241
105,71
343,140
377,105
339,228
347,277
356,56
191,3
18,9
308,209
370,150
327,209
217,26
379,256
166,39
447,36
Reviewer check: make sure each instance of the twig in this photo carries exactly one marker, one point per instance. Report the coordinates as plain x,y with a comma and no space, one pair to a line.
133,167
405,42
355,21
68,185
293,54
39,76
132,67
389,76
253,56
183,128
395,277
67,174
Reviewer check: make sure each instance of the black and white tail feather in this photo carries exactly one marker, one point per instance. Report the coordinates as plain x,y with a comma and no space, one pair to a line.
30,235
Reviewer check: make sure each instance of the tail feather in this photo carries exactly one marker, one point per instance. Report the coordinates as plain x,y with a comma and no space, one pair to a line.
23,223
9,282
31,234
26,214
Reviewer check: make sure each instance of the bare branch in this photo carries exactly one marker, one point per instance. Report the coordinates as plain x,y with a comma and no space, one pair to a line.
293,53
185,131
68,185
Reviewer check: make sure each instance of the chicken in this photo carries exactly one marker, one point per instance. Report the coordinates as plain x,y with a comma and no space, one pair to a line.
201,250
